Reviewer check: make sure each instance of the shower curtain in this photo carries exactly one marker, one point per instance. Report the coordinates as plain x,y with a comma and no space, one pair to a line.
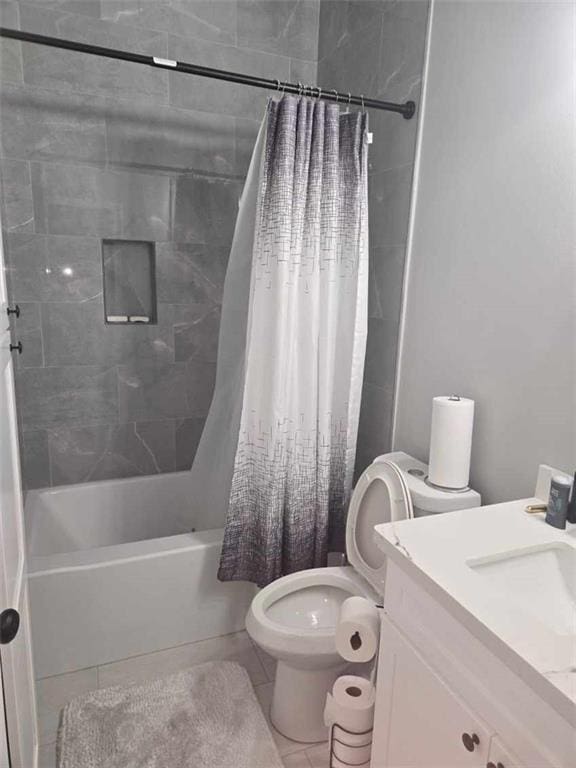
278,448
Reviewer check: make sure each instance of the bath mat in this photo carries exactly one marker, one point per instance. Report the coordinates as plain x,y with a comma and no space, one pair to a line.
204,717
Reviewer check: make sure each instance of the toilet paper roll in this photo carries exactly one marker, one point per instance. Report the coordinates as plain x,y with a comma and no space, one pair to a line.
451,442
358,630
351,705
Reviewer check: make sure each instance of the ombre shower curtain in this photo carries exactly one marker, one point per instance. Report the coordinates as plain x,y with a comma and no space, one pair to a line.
277,454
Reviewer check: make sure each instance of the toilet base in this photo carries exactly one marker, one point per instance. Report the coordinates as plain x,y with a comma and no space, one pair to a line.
299,700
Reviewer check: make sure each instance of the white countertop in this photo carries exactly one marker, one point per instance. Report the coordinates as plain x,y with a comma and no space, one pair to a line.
437,550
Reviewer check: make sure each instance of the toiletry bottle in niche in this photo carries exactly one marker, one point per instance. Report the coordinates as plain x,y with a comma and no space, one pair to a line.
558,501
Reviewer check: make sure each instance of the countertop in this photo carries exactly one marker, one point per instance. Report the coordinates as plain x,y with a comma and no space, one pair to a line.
438,551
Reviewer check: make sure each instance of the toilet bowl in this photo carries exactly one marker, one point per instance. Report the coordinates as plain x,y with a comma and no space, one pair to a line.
294,618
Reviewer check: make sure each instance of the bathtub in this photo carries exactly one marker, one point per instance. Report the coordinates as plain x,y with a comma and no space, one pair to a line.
115,569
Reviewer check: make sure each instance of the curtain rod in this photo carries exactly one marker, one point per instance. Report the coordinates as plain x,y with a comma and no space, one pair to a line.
406,110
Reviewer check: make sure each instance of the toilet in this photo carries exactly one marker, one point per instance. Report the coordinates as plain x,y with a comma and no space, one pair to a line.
294,618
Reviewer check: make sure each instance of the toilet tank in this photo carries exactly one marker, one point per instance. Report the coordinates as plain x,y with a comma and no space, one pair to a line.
426,499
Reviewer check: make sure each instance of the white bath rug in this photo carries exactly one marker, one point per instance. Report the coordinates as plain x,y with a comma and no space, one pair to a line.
205,717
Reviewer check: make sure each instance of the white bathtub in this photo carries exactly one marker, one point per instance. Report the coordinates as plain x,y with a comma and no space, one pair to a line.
115,571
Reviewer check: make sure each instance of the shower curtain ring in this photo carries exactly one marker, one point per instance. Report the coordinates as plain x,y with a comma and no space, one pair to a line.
335,92
362,100
319,96
299,88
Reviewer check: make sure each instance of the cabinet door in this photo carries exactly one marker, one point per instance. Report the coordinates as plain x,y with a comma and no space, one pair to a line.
501,757
419,721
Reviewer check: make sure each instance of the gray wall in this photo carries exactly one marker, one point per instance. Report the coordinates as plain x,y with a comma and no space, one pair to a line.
377,47
93,148
491,306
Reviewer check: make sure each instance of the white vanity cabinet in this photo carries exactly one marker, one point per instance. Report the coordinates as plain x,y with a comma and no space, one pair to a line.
445,700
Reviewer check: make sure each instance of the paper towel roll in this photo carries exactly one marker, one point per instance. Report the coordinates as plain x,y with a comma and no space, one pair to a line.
351,704
358,630
451,441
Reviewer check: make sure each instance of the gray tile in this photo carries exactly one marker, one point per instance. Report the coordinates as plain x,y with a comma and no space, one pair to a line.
217,96
283,26
196,328
235,647
53,268
394,142
246,133
335,70
205,209
75,334
389,193
303,71
10,50
52,397
61,70
35,459
374,431
340,19
385,284
190,273
83,7
167,138
83,454
17,203
188,434
166,391
28,330
100,202
402,51
42,125
205,19
381,347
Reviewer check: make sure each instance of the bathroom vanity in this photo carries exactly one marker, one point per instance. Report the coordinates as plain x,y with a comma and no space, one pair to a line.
478,645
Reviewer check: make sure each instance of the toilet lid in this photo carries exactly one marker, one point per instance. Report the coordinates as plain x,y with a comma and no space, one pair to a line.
380,496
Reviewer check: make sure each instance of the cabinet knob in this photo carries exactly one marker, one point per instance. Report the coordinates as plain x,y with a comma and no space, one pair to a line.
470,741
13,311
16,347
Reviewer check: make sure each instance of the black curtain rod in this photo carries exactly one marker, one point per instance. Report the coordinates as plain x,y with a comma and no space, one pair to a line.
406,110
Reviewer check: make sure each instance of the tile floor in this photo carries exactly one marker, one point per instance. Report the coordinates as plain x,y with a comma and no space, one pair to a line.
54,692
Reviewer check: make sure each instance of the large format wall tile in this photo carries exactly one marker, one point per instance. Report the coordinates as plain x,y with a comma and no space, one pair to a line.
168,139
218,96
340,19
188,273
93,148
82,454
35,459
17,202
207,19
164,391
53,268
76,334
386,280
90,201
62,70
205,209
51,397
390,206
374,430
363,48
10,50
36,124
284,26
188,434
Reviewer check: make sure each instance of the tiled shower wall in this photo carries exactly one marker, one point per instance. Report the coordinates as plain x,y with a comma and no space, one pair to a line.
377,47
94,148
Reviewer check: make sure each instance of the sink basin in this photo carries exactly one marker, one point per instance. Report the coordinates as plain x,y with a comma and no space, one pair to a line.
540,581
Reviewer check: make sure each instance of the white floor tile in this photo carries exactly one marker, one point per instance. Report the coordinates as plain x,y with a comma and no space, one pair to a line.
268,663
296,760
47,757
236,647
318,756
54,692
285,746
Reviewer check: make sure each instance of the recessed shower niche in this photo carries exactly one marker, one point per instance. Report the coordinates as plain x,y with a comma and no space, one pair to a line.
129,282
